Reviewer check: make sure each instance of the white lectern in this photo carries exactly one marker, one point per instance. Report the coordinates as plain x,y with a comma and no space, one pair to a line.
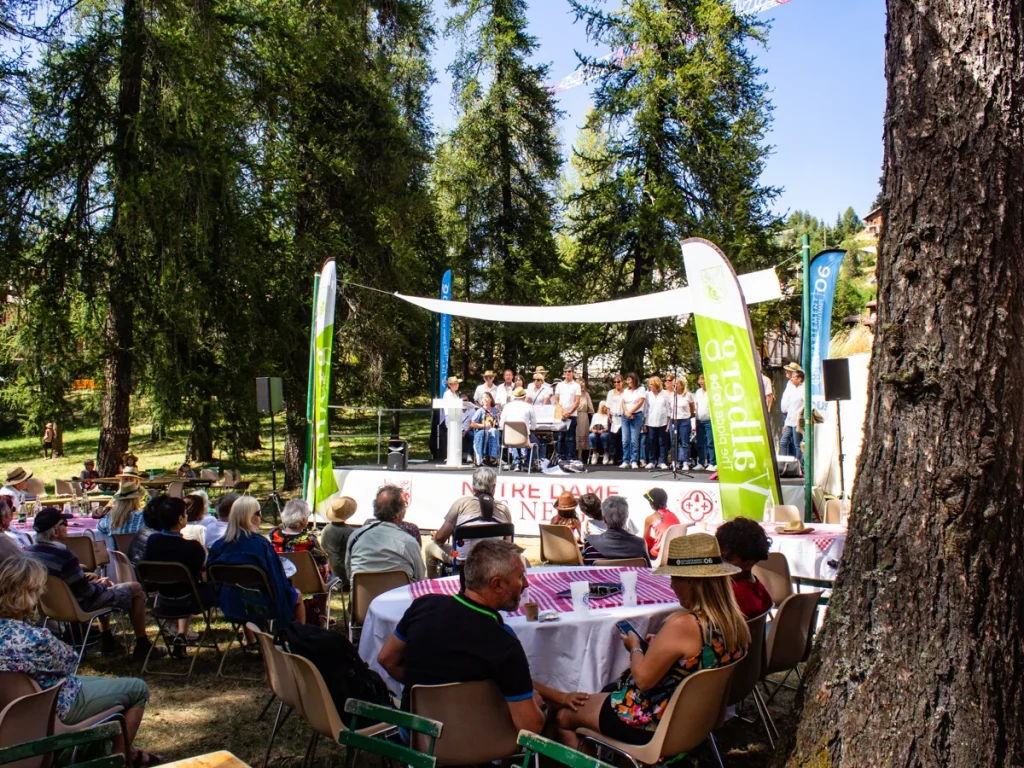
453,414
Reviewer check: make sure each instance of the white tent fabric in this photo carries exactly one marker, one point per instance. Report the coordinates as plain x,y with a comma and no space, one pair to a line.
757,287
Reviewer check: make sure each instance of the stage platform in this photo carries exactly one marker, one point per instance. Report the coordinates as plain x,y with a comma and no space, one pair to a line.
431,488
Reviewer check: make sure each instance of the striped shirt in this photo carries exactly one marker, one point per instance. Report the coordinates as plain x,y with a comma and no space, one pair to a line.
60,561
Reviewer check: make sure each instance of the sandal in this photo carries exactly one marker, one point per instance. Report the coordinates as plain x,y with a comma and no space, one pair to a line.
142,759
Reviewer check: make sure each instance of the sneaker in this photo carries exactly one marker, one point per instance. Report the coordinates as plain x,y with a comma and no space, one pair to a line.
649,465
625,465
142,648
711,468
698,467
178,649
190,637
634,465
686,466
110,645
505,467
607,460
593,458
663,465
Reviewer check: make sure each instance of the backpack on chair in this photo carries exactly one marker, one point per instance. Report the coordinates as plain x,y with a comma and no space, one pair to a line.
347,676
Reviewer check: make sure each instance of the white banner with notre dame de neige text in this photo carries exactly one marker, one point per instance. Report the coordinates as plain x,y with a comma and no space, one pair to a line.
531,498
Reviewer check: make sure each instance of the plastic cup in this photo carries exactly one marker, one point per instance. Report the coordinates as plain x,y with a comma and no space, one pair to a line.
531,611
580,597
628,579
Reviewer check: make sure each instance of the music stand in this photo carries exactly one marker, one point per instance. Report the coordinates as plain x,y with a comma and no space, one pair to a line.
676,472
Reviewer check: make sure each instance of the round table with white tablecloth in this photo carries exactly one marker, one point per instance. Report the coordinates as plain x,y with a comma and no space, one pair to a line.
813,555
574,653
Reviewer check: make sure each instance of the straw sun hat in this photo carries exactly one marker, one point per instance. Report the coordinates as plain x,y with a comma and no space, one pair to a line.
696,556
341,509
17,475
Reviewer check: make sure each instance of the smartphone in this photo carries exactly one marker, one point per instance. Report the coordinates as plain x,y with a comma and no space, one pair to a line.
625,628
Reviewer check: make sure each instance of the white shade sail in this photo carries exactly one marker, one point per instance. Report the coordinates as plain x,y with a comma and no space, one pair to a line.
757,287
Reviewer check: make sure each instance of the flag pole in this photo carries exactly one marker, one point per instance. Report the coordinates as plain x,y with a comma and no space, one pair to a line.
805,353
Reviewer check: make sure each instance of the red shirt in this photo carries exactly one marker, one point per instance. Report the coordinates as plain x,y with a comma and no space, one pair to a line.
657,532
752,596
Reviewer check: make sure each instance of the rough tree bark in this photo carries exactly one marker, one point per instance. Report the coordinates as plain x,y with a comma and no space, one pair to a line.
921,661
119,330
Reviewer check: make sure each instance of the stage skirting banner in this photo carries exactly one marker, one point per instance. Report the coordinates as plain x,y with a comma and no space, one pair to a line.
531,498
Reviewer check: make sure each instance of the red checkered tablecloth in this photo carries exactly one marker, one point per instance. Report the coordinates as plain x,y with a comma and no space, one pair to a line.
544,586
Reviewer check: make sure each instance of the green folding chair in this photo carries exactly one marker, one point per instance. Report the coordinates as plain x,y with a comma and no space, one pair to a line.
103,734
534,745
375,713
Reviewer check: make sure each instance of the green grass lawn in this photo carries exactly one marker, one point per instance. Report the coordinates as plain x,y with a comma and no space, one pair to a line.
354,441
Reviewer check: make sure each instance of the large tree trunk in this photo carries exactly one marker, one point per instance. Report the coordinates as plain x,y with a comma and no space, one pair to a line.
119,330
921,661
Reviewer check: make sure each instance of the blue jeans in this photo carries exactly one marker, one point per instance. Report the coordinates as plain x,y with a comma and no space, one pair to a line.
486,442
567,441
789,444
599,442
683,429
657,445
522,455
705,443
631,427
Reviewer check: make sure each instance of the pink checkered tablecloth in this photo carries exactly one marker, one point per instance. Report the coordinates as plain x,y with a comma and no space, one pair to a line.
544,586
78,525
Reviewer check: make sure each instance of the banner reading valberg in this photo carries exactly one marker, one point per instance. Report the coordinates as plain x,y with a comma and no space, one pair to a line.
324,485
745,456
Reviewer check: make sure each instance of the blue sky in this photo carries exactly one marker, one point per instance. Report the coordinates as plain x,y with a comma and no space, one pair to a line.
824,65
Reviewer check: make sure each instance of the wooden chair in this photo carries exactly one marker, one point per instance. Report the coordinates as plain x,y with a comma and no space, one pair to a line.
57,603
786,643
156,576
774,574
281,678
64,488
558,546
365,587
833,512
629,562
39,752
534,745
693,711
176,490
318,707
749,671
516,435
423,728
82,548
307,579
785,513
468,711
123,541
672,532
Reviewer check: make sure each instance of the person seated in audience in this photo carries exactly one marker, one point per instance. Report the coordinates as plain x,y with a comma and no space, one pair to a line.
425,650
293,535
92,592
215,530
125,512
382,545
243,544
14,488
484,428
615,543
21,540
479,509
744,544
335,536
593,519
36,652
168,545
658,522
185,471
565,509
709,632
195,513
599,424
9,549
88,475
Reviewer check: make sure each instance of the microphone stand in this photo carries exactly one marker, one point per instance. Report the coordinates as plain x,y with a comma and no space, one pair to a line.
676,473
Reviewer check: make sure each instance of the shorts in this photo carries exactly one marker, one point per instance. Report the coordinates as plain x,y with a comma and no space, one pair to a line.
118,596
610,724
99,694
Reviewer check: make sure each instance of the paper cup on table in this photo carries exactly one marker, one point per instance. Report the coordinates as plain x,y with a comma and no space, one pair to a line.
580,597
628,579
531,610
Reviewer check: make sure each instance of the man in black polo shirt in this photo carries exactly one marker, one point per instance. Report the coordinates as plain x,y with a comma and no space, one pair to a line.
462,639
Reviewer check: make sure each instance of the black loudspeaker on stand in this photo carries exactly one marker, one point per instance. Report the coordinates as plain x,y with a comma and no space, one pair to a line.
269,399
836,381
